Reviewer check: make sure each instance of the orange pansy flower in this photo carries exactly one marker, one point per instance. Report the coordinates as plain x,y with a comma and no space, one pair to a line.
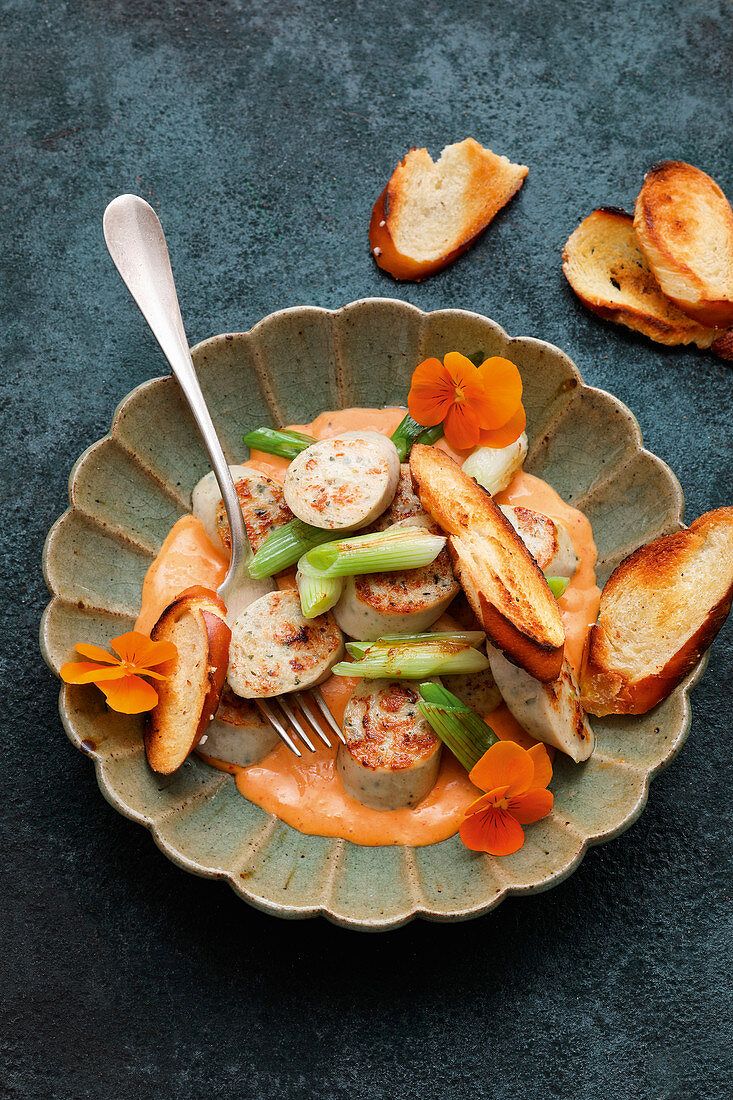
515,780
474,404
120,677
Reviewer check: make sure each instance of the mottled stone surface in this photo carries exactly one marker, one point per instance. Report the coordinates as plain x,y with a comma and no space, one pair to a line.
262,134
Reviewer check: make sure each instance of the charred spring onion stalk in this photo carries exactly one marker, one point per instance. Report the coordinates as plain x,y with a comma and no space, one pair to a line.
379,552
318,594
416,661
459,637
284,546
280,442
458,726
408,431
557,585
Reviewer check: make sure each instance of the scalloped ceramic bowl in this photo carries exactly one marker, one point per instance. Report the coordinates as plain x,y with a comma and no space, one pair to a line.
128,489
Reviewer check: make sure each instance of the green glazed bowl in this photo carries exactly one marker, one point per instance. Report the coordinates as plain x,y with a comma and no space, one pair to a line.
128,489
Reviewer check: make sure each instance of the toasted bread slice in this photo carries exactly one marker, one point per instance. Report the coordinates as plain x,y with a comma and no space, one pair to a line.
606,268
684,224
431,211
660,610
196,624
503,583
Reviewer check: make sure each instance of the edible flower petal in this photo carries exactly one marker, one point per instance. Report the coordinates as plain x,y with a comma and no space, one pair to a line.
492,831
130,695
140,650
432,393
515,781
506,435
470,402
501,380
120,677
509,764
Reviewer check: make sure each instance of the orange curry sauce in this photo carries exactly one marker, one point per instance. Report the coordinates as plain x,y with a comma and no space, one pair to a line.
308,793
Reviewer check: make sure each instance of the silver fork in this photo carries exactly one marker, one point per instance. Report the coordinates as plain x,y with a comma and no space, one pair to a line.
137,244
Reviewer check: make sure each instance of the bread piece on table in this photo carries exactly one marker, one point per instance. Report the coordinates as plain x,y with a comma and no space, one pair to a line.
604,264
196,624
431,211
660,610
684,224
503,583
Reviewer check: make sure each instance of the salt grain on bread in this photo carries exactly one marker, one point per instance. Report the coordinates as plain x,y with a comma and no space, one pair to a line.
504,585
660,610
684,224
195,623
430,212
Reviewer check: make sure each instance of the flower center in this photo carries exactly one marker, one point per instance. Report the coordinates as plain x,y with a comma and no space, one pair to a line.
501,803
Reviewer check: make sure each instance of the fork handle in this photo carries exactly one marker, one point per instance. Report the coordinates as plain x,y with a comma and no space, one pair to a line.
136,243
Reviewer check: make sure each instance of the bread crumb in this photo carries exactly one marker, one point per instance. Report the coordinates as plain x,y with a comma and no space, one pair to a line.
382,224
377,251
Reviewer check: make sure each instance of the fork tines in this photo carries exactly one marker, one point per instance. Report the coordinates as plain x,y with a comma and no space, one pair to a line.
281,714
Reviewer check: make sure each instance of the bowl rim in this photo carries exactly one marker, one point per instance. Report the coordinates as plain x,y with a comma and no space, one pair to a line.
298,912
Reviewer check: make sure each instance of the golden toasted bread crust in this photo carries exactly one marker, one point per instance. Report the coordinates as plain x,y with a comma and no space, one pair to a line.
172,730
502,581
490,182
605,266
684,224
649,585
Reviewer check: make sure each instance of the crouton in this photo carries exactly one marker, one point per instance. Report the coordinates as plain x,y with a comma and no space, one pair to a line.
432,211
503,583
660,611
684,224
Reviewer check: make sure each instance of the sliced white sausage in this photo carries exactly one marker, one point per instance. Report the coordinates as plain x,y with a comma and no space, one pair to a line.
477,690
547,541
205,500
405,509
406,602
343,484
550,712
261,499
391,757
238,734
274,649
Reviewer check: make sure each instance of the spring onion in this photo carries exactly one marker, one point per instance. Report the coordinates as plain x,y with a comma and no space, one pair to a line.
494,467
461,637
318,594
408,431
557,585
415,662
284,546
458,726
280,442
381,551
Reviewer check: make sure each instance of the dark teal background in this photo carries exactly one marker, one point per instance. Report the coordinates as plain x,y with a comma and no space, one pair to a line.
262,133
